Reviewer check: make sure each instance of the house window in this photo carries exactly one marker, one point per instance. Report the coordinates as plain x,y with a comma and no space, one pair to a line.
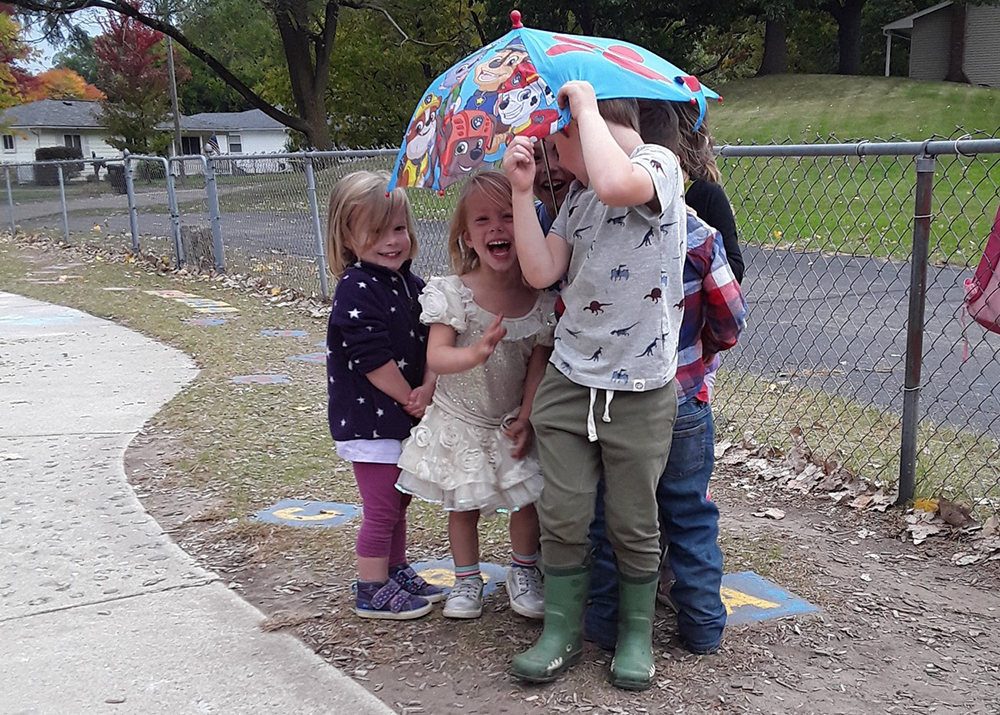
235,144
8,142
190,146
73,140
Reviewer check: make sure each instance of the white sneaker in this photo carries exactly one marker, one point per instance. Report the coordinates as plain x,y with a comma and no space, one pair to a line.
524,588
465,599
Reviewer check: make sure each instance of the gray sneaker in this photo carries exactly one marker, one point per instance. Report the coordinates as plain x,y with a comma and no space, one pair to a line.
465,599
524,588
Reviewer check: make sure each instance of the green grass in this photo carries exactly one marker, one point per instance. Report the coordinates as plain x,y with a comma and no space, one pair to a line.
804,107
859,206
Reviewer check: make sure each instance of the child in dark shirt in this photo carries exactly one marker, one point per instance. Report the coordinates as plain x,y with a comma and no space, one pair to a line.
377,381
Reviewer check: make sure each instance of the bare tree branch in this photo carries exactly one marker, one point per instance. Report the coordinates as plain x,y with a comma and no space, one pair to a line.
407,38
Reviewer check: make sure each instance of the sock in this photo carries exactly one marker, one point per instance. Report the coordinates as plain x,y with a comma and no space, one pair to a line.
467,572
393,570
524,562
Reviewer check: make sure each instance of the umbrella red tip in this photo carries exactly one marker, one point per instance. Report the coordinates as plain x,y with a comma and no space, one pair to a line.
515,19
387,194
440,192
719,97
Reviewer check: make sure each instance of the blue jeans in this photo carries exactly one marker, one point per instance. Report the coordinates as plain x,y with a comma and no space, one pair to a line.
691,523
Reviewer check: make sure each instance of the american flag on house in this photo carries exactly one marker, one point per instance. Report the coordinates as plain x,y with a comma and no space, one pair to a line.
212,145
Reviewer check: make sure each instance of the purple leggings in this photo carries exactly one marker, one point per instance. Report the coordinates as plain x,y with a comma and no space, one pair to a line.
383,527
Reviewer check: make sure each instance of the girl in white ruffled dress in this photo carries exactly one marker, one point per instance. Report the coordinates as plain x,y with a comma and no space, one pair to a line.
473,452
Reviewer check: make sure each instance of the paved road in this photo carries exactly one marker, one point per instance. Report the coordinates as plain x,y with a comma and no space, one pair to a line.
30,210
838,323
100,612
831,322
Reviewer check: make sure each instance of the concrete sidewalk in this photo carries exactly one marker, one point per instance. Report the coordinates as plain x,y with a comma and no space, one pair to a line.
100,612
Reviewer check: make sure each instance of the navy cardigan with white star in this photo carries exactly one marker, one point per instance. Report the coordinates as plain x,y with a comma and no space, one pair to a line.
375,319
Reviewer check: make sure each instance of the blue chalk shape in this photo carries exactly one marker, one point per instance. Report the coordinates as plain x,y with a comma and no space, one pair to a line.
442,573
296,512
35,322
320,345
262,379
284,333
206,321
750,598
318,358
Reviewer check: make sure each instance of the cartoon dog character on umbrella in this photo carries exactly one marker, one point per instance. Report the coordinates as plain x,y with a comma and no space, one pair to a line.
491,73
467,140
420,135
525,104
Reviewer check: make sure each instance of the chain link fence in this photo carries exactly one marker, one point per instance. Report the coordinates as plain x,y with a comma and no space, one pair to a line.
855,253
856,257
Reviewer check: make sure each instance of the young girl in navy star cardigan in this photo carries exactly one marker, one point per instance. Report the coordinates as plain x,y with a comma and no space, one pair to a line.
377,380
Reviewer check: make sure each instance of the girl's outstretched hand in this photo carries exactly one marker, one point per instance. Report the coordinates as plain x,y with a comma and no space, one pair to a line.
520,433
519,164
493,334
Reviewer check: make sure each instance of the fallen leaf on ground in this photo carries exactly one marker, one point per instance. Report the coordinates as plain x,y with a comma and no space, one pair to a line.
771,513
929,505
958,515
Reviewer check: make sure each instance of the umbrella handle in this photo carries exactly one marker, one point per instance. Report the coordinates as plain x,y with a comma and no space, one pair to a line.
548,175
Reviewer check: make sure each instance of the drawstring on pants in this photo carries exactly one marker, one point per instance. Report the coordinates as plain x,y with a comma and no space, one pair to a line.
606,417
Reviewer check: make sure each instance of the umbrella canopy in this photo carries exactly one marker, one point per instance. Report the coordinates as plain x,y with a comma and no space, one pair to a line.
508,88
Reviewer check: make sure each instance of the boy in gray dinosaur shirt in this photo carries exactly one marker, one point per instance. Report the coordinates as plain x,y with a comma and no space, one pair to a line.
608,396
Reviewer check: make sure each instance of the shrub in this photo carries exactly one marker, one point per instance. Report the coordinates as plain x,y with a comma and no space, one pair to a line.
48,174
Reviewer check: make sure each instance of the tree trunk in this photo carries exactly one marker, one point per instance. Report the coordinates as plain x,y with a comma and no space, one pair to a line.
775,60
956,45
307,73
848,17
849,39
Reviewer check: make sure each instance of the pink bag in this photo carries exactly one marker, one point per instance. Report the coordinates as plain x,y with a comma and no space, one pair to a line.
982,293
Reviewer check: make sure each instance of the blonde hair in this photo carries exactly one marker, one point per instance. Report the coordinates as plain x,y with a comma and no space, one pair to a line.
671,124
495,186
360,200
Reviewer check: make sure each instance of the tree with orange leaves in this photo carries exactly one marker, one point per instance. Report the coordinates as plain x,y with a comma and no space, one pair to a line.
63,83
15,80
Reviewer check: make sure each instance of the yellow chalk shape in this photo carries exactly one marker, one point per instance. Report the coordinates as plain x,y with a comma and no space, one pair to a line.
444,577
293,513
734,599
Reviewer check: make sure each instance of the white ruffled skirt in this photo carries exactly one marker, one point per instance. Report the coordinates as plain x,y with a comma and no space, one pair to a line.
462,466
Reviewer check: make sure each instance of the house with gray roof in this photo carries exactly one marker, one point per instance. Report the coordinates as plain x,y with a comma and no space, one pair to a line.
929,34
249,132
55,122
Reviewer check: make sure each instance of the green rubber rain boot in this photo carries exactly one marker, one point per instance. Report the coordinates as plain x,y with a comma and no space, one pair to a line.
632,667
559,645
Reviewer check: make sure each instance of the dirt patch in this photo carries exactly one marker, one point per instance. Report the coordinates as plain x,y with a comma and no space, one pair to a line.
900,629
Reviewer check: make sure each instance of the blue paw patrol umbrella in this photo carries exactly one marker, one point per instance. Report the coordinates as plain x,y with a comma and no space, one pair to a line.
508,88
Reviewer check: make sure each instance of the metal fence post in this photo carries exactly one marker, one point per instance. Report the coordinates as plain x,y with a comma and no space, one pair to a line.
317,230
133,218
915,328
62,201
175,216
214,216
10,202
